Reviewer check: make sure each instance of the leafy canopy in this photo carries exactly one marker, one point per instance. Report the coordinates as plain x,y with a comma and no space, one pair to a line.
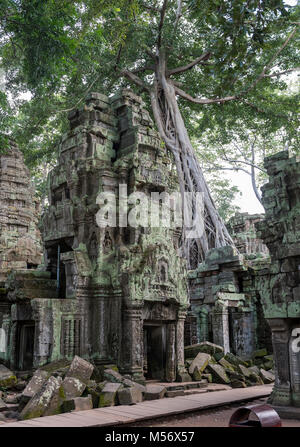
61,49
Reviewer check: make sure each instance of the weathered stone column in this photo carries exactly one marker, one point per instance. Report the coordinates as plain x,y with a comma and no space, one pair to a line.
99,327
294,355
43,332
221,327
132,343
281,394
171,353
182,375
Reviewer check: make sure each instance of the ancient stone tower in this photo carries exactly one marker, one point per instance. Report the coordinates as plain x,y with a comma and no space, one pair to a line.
114,294
20,243
241,227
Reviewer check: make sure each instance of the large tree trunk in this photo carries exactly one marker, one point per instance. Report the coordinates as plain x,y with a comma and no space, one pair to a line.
173,131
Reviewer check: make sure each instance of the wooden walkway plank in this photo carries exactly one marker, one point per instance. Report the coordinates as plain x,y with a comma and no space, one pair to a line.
122,415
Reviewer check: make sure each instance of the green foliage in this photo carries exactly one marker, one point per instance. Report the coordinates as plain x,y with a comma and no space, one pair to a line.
223,194
62,49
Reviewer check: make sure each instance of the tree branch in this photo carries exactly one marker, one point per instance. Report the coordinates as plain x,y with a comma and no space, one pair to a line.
281,72
142,69
150,8
253,180
161,22
269,65
229,160
196,61
203,100
132,77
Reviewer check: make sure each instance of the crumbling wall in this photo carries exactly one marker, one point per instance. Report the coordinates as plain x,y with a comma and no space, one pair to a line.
20,241
242,229
225,292
280,286
107,286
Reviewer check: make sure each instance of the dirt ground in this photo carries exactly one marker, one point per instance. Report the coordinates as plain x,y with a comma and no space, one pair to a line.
218,417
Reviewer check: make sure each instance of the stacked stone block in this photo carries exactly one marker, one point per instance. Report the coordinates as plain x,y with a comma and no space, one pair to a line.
20,242
280,287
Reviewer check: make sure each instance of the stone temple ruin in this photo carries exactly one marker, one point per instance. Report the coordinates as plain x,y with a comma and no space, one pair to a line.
114,295
226,307
280,286
121,295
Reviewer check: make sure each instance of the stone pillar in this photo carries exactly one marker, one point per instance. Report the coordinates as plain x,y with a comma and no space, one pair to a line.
43,332
171,353
71,273
221,327
99,328
132,343
281,394
294,354
182,375
243,333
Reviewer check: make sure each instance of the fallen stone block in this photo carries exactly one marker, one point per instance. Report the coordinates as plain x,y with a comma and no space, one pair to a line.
108,394
183,376
197,375
94,390
234,375
207,376
255,379
12,399
130,383
3,405
267,376
80,369
40,402
218,373
21,385
200,361
254,369
260,353
77,404
72,387
268,365
154,392
205,346
234,359
243,370
223,362
218,356
130,396
7,378
33,387
112,376
57,368
2,418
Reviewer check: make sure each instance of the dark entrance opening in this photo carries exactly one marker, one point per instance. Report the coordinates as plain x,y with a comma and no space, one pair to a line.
154,351
56,266
25,345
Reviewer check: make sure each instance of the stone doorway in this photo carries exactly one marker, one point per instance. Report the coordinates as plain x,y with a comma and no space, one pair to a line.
25,346
155,351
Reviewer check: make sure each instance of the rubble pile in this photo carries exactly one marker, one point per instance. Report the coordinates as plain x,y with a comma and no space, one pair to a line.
208,361
76,385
